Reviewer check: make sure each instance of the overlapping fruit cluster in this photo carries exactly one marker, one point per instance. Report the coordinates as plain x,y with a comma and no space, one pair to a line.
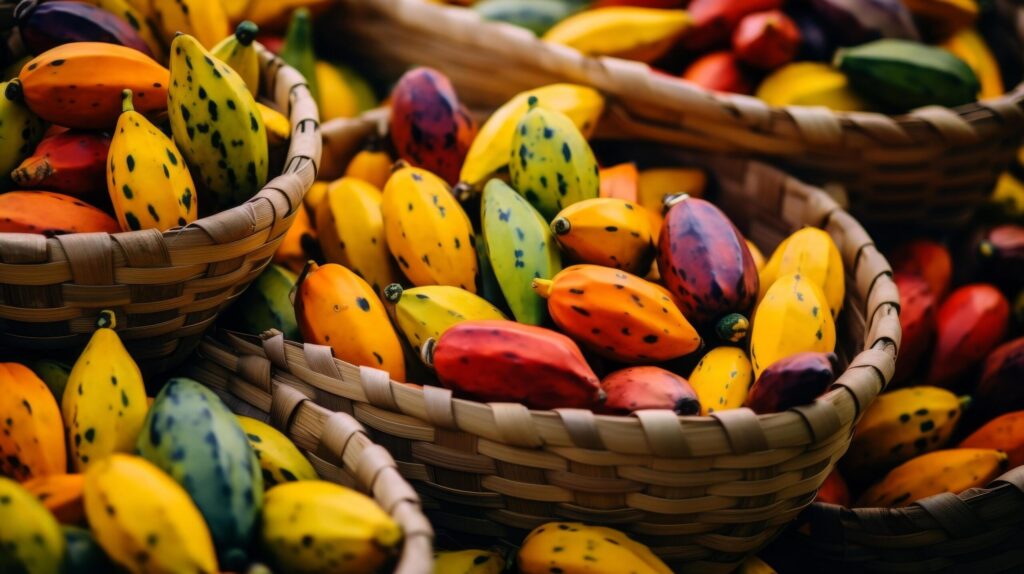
880,55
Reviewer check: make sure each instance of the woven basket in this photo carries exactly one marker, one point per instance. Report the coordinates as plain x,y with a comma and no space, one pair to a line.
703,492
930,168
166,288
334,442
978,531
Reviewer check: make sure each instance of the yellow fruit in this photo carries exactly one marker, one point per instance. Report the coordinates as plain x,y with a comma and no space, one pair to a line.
585,550
372,164
468,562
722,378
968,45
31,541
810,84
279,458
657,183
953,470
427,312
628,32
759,261
811,253
606,231
792,318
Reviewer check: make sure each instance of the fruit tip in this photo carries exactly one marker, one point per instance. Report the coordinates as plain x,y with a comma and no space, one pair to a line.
399,164
126,101
541,287
532,101
673,199
393,292
14,91
106,320
246,32
462,191
560,226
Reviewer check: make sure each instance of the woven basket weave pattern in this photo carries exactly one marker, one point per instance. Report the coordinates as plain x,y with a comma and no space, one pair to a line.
166,288
703,491
928,168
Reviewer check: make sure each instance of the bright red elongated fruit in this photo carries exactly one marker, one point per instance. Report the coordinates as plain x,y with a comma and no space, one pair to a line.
970,322
715,20
917,318
1005,433
791,382
719,71
502,361
834,490
429,127
71,162
639,388
766,40
928,260
1001,388
705,263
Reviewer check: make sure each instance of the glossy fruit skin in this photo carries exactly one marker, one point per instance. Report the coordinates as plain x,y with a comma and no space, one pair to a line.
606,231
705,263
206,21
423,313
793,381
791,319
335,307
72,163
45,25
51,214
279,459
722,379
954,470
715,20
468,562
1001,386
502,361
811,253
766,40
638,388
61,494
79,85
626,32
372,165
1004,433
585,549
970,323
429,127
834,490
31,538
618,315
917,318
1002,252
720,72
32,444
20,128
298,244
900,425
928,260
266,304
237,51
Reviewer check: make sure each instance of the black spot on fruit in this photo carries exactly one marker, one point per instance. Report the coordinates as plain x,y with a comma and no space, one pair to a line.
152,212
202,93
650,339
131,162
566,152
581,310
380,359
90,434
363,303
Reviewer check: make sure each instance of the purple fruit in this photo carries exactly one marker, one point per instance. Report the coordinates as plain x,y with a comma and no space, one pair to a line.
50,24
791,382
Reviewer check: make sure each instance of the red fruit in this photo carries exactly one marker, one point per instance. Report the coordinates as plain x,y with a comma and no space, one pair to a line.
71,162
715,20
719,71
791,382
272,42
834,490
928,260
766,40
502,361
705,262
1001,388
917,318
660,4
1002,252
970,323
429,127
639,388
1005,433
51,214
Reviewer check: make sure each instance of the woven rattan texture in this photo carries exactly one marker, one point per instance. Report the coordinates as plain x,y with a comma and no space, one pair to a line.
336,444
931,168
166,288
702,491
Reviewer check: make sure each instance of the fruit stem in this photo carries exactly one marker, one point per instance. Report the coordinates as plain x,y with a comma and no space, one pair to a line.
542,287
532,101
560,226
393,292
14,91
246,32
399,164
427,352
462,191
965,402
675,198
126,101
732,328
106,320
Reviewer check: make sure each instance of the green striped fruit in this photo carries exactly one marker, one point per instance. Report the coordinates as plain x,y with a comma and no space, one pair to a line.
521,249
280,460
193,437
266,304
552,164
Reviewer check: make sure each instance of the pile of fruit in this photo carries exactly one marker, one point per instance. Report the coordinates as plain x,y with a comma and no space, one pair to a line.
866,55
98,475
953,416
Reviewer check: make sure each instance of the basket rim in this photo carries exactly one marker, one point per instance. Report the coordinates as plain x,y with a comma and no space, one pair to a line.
266,208
838,408
426,16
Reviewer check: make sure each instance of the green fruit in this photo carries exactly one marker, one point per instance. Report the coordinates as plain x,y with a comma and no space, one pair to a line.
193,437
536,16
520,248
54,374
297,50
266,305
904,75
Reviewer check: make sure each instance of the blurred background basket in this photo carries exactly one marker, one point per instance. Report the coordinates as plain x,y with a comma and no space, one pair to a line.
166,288
978,531
703,492
334,442
930,168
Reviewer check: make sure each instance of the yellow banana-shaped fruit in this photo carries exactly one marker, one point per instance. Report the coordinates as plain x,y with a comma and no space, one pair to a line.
954,470
20,129
810,84
350,228
31,540
468,562
279,458
238,52
755,252
279,130
812,254
336,307
722,378
900,425
792,318
606,231
104,403
628,32
149,185
337,99
968,45
144,520
342,530
426,312
754,565
215,122
427,231
655,184
138,15
32,443
203,19
492,146
585,549
372,164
